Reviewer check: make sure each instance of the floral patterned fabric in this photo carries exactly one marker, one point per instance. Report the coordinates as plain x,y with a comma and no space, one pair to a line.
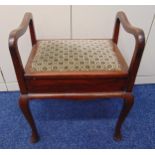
75,55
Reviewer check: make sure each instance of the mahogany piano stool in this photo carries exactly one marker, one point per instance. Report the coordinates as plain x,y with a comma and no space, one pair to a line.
76,69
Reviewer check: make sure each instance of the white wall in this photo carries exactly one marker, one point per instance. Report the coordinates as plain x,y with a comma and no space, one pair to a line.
147,71
86,22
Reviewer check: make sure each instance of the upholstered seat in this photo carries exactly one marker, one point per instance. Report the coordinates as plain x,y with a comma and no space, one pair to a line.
75,55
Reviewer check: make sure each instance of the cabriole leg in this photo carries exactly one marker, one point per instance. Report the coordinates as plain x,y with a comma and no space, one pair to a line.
128,103
24,106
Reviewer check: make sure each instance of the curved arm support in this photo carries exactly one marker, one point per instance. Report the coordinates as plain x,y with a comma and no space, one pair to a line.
139,46
13,46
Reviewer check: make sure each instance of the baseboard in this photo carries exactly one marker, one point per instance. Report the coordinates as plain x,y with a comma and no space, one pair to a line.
13,86
145,80
3,87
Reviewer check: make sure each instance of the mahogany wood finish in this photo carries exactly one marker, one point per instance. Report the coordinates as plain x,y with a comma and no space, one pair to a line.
139,45
24,105
76,85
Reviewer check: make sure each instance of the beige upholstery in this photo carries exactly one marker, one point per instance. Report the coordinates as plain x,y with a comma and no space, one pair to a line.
75,55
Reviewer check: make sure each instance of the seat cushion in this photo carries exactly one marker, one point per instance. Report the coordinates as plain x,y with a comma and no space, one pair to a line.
75,55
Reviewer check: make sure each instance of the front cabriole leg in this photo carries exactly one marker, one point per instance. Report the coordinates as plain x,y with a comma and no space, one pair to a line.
24,106
128,103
